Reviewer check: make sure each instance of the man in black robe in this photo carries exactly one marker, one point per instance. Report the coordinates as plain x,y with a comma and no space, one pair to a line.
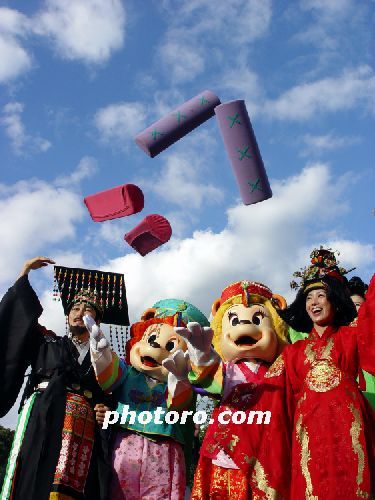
58,451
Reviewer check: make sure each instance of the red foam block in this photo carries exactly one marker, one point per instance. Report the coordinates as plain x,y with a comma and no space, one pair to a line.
116,202
152,232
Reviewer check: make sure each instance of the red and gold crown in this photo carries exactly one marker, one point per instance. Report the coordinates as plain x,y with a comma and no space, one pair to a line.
245,288
323,263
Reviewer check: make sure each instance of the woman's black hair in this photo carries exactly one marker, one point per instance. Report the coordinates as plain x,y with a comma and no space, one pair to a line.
338,295
357,287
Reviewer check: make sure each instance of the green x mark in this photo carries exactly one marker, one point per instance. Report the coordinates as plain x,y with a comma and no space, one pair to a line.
155,134
244,153
234,120
255,185
203,100
180,116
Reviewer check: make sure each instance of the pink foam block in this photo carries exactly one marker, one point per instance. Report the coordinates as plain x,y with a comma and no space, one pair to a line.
151,233
119,201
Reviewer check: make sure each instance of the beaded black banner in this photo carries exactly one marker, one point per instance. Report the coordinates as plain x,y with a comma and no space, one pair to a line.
106,289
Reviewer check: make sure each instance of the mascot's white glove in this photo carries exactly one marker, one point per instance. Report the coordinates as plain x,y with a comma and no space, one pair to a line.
198,340
197,336
98,342
178,364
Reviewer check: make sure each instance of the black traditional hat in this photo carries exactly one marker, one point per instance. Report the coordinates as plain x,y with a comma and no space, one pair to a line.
105,291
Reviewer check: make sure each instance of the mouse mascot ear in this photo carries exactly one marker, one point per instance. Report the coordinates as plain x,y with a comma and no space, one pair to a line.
148,314
215,306
278,301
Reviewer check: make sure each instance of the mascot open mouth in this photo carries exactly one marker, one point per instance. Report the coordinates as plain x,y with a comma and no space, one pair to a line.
149,361
245,340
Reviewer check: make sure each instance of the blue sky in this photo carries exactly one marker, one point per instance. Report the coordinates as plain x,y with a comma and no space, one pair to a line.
80,78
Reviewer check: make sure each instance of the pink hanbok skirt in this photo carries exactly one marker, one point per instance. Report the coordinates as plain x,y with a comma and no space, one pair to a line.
145,469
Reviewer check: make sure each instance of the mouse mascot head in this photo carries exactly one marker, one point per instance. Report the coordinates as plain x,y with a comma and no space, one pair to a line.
153,339
246,323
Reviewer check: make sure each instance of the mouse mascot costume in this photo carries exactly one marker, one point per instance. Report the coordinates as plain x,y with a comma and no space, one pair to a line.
148,456
238,460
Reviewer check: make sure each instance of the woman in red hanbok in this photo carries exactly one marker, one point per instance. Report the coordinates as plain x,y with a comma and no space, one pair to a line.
333,425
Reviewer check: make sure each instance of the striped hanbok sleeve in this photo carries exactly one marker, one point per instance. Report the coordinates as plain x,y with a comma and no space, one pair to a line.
110,370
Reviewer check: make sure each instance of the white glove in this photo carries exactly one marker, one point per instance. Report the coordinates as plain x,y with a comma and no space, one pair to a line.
198,337
98,342
178,364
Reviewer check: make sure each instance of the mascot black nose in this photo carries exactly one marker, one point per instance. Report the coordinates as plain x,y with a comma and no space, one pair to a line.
245,322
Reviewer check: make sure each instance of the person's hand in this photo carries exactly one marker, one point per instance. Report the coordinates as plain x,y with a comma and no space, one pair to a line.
100,410
178,364
35,263
97,339
197,336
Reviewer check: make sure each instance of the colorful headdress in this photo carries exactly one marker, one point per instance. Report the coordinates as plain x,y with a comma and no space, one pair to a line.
104,291
181,310
323,263
87,297
245,288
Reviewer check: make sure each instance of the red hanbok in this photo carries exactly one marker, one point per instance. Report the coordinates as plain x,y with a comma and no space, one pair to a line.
259,447
333,438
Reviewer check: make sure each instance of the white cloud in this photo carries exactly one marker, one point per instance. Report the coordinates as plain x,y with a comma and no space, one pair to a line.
12,22
183,61
335,31
52,317
89,31
183,179
86,168
21,141
178,182
353,253
235,21
317,144
120,122
327,9
260,242
180,221
199,32
242,82
353,88
14,59
85,30
165,101
36,216
113,232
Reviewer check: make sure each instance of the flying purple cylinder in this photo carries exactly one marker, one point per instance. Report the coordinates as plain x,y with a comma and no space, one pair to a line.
243,151
172,127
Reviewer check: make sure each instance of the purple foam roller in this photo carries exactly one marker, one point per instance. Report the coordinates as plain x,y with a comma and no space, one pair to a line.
176,124
243,151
